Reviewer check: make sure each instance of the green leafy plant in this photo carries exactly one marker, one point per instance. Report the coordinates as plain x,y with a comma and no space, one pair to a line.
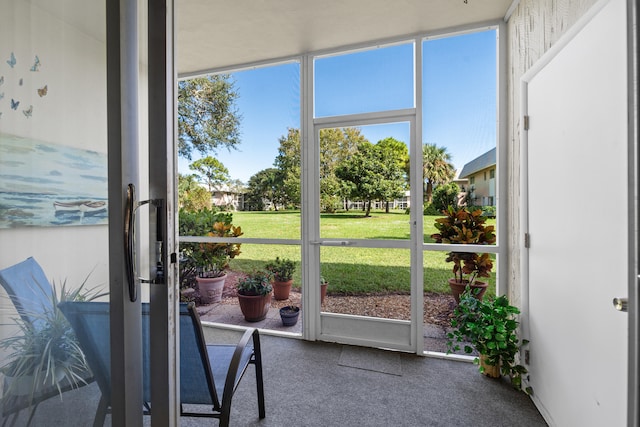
489,327
257,282
206,259
282,269
462,226
46,353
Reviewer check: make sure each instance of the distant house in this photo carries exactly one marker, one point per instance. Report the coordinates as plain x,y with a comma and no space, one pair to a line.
481,176
228,198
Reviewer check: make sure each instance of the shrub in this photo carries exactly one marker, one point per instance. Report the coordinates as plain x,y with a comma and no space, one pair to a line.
430,210
445,195
194,257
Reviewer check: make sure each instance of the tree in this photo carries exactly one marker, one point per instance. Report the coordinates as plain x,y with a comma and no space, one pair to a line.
191,196
207,115
288,164
265,185
211,172
398,154
373,173
436,168
335,146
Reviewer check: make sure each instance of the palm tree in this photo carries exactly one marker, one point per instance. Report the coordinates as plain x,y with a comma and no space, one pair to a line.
437,168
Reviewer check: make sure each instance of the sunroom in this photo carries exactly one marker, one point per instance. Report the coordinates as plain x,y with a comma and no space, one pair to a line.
88,129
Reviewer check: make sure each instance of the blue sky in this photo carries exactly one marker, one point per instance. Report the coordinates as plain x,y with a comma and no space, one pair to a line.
458,98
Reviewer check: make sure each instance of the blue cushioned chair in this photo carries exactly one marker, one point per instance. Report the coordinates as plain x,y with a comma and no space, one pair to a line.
209,374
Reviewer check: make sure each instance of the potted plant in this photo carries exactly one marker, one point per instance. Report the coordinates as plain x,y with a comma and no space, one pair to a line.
323,289
489,327
45,355
254,295
461,226
211,259
282,270
289,315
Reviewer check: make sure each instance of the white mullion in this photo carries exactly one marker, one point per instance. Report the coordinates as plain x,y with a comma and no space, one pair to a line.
417,222
309,152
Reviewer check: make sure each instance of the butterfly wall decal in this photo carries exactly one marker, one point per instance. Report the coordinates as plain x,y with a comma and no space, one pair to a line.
12,60
28,112
1,80
14,104
43,91
36,64
1,95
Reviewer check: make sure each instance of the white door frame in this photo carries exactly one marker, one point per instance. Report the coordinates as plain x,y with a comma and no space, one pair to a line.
123,82
351,329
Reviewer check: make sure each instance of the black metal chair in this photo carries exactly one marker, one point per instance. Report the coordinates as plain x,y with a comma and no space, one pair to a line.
209,373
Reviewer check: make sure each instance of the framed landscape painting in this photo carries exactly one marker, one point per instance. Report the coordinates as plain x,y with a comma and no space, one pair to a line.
44,184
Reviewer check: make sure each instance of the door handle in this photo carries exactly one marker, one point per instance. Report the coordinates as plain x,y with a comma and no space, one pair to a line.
332,243
620,304
129,233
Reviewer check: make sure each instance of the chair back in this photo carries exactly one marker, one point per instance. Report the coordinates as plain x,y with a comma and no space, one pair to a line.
196,379
90,321
29,290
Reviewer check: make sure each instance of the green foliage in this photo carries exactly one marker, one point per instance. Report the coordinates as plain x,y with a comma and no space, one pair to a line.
461,226
191,196
282,269
437,168
288,163
374,173
265,185
207,115
445,195
47,353
490,326
211,172
257,282
430,210
206,259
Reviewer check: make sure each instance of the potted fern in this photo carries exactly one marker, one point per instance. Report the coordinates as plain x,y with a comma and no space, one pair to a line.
461,226
489,327
45,355
254,295
282,270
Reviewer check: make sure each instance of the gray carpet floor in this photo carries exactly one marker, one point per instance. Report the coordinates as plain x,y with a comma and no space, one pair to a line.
318,384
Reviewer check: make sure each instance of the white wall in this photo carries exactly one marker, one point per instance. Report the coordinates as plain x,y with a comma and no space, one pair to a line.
73,113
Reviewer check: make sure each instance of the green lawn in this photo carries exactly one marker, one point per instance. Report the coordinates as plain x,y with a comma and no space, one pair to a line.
348,270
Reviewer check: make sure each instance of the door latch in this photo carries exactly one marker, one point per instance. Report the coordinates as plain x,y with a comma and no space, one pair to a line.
620,304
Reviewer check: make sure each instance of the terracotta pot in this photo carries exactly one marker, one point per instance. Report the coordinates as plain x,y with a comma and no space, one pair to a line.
254,307
211,288
281,289
457,288
289,317
492,371
323,292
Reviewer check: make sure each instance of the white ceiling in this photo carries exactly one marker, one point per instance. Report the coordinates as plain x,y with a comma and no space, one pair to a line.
215,34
